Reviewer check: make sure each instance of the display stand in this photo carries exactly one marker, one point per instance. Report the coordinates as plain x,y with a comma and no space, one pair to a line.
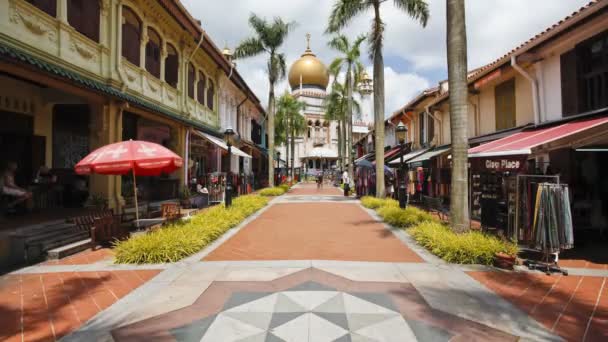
523,180
546,265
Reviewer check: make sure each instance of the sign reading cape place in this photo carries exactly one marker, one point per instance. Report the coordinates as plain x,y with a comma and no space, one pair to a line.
512,164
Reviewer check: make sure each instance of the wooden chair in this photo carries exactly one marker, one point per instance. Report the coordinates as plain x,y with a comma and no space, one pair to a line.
434,205
170,211
106,230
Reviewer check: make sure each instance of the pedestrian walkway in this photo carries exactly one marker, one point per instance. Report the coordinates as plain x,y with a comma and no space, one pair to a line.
322,231
312,266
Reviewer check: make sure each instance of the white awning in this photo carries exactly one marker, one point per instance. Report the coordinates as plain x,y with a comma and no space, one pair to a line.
322,152
431,154
221,144
407,157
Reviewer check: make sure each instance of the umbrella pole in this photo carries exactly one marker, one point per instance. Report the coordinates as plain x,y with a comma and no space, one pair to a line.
135,195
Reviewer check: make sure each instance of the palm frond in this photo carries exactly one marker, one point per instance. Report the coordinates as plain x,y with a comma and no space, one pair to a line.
344,11
340,43
249,47
336,67
259,25
417,9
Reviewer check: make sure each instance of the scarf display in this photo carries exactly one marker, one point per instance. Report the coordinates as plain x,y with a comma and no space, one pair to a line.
552,229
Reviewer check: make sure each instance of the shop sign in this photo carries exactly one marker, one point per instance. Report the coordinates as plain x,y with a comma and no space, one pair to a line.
500,164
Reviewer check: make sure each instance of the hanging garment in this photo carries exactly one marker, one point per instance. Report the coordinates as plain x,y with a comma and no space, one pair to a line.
552,226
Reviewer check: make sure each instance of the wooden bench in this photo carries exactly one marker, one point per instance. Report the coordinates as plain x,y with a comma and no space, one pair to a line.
434,205
128,212
108,229
85,222
102,226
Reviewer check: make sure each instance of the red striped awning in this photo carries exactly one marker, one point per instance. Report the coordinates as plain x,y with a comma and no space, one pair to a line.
523,142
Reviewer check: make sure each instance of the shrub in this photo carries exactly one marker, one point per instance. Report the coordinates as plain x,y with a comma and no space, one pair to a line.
271,192
285,186
181,239
375,203
467,248
403,218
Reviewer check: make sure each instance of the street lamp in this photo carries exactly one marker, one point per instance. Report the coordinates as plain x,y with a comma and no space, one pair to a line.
401,133
278,167
229,138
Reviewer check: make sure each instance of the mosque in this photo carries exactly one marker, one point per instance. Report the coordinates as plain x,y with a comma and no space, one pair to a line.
317,148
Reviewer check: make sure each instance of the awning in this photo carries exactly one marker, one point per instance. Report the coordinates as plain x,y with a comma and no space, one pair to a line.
431,154
408,156
392,152
221,144
364,157
526,141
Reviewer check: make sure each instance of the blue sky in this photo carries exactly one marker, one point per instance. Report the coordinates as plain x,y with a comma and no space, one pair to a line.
415,57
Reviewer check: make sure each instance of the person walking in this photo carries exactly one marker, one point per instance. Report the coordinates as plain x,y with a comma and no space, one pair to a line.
346,182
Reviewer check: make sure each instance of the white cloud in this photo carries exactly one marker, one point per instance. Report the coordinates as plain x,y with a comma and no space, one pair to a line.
493,28
401,88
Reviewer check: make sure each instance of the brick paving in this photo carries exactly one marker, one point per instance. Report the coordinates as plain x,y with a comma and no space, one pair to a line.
574,307
319,231
48,306
83,258
310,189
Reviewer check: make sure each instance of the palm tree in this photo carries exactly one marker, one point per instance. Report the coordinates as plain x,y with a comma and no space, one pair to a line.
343,12
350,58
335,104
457,80
290,124
269,36
335,110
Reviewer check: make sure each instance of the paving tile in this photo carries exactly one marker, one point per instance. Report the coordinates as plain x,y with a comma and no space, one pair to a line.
322,330
314,231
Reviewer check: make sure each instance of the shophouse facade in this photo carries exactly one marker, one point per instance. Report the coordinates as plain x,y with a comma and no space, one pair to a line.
77,75
542,111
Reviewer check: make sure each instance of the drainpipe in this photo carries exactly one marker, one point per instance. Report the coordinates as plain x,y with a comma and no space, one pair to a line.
186,69
533,83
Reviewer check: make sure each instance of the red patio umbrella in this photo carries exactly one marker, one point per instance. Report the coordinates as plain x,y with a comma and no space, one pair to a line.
142,158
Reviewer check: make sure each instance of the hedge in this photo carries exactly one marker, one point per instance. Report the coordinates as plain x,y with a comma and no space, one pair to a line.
468,248
472,247
271,192
179,240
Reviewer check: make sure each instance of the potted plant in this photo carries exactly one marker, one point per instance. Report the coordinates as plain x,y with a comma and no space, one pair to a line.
185,201
506,258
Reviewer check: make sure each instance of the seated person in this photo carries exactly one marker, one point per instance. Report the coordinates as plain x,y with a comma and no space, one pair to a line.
10,188
201,188
45,176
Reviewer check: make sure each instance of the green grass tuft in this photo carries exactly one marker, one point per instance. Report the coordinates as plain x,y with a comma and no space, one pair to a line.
179,240
468,248
271,192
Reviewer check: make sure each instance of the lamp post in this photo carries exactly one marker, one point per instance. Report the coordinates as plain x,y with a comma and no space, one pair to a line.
229,137
278,167
401,133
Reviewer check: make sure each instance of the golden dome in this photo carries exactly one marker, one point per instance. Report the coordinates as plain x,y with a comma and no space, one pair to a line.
310,69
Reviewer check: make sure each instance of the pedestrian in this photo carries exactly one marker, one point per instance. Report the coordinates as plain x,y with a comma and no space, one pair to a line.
346,182
320,180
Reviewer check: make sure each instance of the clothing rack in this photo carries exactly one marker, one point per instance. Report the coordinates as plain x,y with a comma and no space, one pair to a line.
552,226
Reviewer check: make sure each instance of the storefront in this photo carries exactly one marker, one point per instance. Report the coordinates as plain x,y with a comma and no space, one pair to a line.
212,165
493,190
506,174
428,174
146,128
